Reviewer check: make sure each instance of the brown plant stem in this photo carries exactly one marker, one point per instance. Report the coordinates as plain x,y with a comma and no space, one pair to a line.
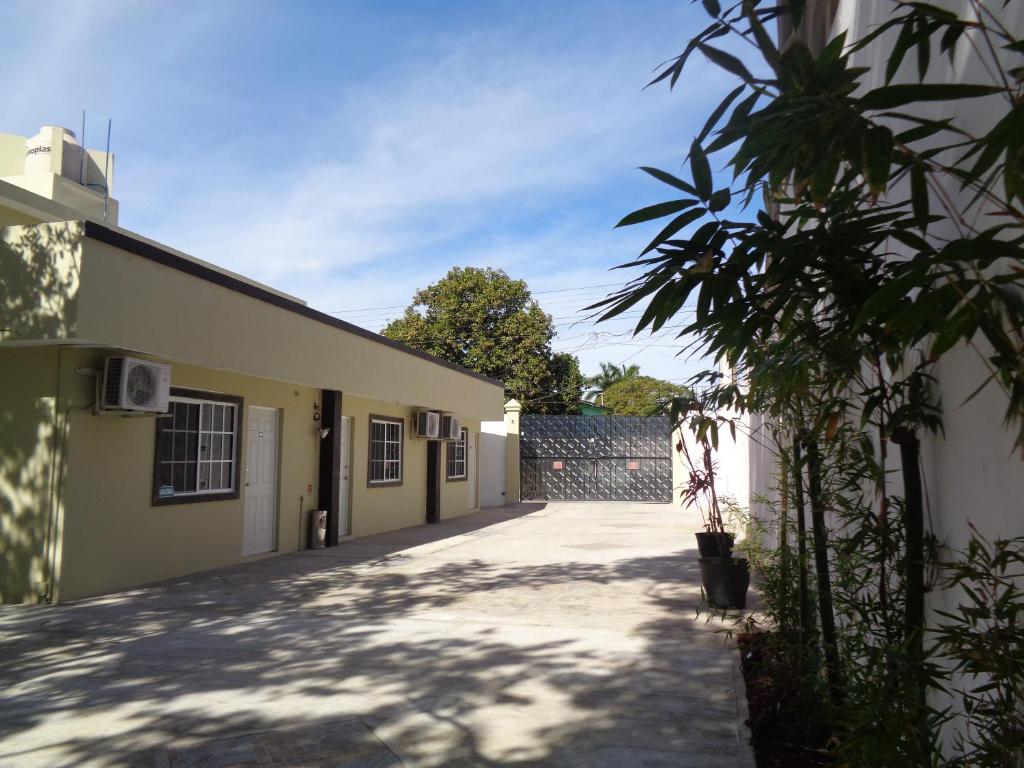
825,608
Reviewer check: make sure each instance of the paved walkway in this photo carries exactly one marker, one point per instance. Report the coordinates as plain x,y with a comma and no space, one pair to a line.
558,635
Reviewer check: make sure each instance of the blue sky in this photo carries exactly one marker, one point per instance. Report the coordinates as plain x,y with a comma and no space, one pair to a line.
350,153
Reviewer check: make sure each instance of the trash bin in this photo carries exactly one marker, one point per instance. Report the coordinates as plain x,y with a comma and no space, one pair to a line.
317,528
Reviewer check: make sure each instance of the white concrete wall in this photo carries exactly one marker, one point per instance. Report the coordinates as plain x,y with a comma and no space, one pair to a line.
492,463
971,474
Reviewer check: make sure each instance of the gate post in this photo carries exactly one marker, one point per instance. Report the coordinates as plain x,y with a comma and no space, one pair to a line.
513,409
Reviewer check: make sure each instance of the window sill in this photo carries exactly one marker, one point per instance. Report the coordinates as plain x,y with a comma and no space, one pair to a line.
192,498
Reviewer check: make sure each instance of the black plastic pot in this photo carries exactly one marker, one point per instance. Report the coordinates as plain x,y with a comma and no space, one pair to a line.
725,581
710,544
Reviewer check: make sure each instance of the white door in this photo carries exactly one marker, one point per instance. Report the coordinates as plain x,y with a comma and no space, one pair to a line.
471,469
260,482
344,522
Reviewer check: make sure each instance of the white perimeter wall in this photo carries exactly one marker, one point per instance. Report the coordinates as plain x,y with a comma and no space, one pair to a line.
971,474
492,463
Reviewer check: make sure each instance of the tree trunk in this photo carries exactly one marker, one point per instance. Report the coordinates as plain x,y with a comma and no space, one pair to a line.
803,597
913,524
825,611
913,574
786,617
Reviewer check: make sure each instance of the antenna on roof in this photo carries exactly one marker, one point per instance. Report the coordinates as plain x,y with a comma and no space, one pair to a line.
106,166
81,172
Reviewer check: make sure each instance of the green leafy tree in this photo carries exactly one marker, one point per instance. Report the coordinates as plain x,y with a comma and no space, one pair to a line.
641,396
610,374
486,321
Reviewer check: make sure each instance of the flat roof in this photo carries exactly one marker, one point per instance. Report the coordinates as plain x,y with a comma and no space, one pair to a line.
150,250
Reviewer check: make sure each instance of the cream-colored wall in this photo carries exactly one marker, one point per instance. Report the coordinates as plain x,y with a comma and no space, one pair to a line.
40,266
226,329
376,509
109,297
11,216
114,537
455,499
29,441
67,287
513,411
386,507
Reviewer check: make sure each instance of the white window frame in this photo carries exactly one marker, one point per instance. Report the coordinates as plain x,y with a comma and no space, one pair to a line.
462,445
230,490
396,464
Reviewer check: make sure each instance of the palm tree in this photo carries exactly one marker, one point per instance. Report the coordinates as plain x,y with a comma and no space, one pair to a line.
610,374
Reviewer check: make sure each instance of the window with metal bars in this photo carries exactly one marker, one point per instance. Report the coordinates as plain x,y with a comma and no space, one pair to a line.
456,458
197,449
385,463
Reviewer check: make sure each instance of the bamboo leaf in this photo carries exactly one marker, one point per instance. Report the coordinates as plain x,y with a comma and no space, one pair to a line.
701,171
655,212
674,226
719,200
762,38
726,61
877,151
919,195
924,49
832,427
886,297
961,325
899,51
668,178
715,116
890,96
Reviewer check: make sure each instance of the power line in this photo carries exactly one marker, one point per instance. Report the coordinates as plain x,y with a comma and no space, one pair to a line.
533,293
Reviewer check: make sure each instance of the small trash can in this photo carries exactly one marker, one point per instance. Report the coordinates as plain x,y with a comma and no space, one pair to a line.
317,528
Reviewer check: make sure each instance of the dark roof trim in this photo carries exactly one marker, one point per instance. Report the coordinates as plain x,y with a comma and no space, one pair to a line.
172,260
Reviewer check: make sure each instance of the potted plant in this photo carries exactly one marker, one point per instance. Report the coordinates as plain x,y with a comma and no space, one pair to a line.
724,578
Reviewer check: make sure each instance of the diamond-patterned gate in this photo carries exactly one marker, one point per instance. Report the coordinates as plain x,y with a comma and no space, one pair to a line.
596,458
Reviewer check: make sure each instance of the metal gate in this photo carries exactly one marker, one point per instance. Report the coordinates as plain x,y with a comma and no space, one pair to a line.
596,458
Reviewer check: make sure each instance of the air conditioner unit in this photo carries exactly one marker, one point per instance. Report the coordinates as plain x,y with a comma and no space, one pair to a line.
451,428
135,385
428,424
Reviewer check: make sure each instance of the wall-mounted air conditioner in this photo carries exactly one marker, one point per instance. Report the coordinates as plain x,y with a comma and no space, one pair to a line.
451,428
428,424
135,385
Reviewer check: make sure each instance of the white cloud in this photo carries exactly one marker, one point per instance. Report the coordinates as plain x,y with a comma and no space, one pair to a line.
503,150
405,168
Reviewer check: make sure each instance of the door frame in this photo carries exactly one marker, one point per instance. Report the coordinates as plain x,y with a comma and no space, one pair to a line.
345,478
276,538
329,471
473,468
433,506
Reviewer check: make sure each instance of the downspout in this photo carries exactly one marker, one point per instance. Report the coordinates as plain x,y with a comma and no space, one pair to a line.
55,490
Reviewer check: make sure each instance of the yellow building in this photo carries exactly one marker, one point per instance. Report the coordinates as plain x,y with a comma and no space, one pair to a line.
257,409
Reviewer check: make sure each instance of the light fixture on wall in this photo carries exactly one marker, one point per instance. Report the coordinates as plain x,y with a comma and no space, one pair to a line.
316,412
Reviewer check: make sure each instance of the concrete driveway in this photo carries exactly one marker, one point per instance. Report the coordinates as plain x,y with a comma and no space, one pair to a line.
545,635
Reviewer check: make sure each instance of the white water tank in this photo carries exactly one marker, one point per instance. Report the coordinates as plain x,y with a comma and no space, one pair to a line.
43,149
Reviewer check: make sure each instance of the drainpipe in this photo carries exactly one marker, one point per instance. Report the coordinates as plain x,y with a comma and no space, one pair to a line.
55,486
